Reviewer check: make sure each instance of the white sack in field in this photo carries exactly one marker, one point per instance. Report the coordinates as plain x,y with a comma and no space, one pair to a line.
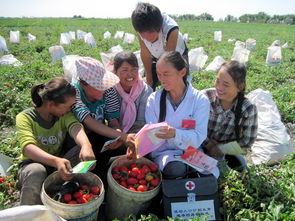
241,54
80,34
129,38
274,55
5,164
240,44
10,60
197,59
185,37
273,142
14,37
3,47
215,64
69,66
218,36
29,213
108,60
107,34
140,64
119,35
251,44
72,35
285,45
116,49
56,52
276,43
31,37
65,39
89,39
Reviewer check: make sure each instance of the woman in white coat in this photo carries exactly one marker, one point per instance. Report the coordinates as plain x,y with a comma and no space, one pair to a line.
184,108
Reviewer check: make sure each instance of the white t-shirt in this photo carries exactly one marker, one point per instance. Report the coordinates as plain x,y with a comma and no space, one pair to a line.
157,48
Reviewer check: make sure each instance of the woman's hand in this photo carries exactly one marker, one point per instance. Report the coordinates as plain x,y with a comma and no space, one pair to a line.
64,167
167,133
128,140
86,153
131,153
213,150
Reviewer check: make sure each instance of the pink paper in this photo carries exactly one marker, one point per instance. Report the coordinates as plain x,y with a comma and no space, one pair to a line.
144,142
199,159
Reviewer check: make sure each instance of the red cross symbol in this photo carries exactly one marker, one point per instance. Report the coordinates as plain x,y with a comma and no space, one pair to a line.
190,185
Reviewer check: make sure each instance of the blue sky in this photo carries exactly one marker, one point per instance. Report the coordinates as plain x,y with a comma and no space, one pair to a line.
123,8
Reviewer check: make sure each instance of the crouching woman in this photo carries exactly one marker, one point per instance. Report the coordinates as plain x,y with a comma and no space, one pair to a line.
41,131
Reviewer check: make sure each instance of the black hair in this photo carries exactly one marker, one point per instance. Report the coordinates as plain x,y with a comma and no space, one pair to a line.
56,90
178,62
238,72
146,17
125,56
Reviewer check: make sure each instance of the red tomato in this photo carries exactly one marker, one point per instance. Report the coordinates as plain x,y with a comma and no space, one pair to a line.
72,202
142,188
81,200
132,181
115,169
140,176
116,176
145,169
135,169
123,183
78,194
67,197
154,167
131,188
95,190
143,182
133,173
123,178
124,168
155,182
2,179
84,187
133,165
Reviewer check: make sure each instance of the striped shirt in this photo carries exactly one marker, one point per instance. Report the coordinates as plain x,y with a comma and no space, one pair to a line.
221,126
105,109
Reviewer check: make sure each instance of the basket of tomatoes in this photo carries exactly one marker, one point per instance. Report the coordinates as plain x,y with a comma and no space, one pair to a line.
132,184
78,199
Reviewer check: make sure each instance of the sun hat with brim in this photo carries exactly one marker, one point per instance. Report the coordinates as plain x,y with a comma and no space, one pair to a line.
93,73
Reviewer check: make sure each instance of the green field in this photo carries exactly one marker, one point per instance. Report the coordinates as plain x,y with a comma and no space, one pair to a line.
38,67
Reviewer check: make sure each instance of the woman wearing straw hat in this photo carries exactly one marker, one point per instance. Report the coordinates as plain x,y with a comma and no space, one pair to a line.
97,107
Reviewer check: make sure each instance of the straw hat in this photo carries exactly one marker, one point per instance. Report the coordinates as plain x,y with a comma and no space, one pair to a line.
92,71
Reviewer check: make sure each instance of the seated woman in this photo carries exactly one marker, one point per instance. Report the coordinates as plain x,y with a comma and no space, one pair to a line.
232,116
132,90
41,131
97,106
177,103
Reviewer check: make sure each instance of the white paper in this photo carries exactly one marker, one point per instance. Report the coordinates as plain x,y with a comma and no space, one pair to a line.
231,148
105,146
186,210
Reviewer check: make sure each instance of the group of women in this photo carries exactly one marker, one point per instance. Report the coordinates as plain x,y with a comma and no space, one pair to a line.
102,105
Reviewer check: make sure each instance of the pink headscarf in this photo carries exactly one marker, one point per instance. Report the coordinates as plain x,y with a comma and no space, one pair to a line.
128,108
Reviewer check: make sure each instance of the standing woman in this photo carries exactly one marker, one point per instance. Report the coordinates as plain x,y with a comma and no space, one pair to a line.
133,92
41,131
232,116
184,108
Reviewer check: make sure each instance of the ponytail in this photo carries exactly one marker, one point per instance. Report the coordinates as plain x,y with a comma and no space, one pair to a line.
35,94
238,113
